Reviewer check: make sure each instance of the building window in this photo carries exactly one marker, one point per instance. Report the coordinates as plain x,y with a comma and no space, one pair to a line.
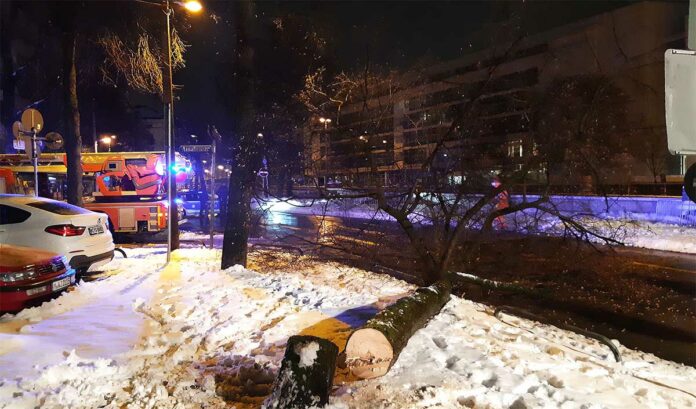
514,149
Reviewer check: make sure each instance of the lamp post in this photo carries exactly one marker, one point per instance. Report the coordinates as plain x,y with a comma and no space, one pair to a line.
168,99
325,121
106,140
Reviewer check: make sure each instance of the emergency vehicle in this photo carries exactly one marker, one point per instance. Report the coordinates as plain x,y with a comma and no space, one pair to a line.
129,187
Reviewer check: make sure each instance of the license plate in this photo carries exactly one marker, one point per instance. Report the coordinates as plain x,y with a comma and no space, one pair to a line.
37,290
60,284
98,229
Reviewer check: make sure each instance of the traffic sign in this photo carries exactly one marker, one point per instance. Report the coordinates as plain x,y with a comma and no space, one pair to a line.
32,119
19,145
196,148
17,129
690,183
680,100
54,140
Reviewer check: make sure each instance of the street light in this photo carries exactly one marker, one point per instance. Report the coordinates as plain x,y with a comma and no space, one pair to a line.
107,140
192,6
168,98
325,121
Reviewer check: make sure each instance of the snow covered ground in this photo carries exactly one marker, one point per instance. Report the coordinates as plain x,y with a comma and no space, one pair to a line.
179,337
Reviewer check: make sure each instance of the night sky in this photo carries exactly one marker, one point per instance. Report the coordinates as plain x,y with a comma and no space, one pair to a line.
392,34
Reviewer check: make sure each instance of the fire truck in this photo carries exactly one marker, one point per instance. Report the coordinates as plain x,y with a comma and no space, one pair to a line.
129,187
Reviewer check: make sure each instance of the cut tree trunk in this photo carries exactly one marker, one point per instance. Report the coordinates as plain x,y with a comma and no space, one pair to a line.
306,374
372,350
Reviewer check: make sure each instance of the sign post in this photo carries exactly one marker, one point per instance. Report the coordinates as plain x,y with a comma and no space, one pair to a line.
211,212
205,149
31,124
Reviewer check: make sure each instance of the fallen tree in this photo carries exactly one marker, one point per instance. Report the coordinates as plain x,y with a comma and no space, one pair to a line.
372,349
306,374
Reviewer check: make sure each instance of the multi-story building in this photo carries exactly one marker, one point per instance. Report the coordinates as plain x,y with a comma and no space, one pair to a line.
392,131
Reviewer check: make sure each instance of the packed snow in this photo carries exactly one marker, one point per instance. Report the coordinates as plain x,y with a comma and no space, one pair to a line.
191,334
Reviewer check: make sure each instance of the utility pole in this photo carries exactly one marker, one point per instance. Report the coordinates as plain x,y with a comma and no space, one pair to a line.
211,215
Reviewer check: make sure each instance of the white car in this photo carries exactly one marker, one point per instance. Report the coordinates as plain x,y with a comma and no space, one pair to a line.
80,235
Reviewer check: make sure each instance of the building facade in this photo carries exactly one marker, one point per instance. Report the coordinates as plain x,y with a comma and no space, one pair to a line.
394,130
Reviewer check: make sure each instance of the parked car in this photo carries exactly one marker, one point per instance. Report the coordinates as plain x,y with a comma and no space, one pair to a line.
81,235
190,203
28,273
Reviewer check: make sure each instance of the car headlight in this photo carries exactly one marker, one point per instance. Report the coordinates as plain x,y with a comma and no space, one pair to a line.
26,274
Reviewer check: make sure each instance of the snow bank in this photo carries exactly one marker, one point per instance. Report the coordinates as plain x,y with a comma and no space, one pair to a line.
635,233
185,325
466,357
188,334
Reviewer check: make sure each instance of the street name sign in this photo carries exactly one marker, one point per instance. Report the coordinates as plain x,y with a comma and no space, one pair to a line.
196,148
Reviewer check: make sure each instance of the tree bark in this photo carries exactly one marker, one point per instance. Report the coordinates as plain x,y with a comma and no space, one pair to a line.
71,118
242,177
234,244
372,350
306,374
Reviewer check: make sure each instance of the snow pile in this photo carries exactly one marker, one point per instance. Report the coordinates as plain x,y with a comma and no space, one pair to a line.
191,326
643,234
94,318
194,335
466,357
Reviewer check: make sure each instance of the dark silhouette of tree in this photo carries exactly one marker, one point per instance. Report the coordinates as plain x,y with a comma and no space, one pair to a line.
246,152
580,127
68,22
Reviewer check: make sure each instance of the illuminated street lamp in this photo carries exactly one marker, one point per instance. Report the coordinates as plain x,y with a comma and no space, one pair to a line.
220,167
107,140
325,121
192,6
168,98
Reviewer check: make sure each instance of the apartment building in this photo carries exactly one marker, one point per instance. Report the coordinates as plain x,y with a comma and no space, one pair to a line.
397,127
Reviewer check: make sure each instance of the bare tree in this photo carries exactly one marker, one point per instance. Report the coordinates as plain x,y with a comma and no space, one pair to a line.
444,201
580,126
134,56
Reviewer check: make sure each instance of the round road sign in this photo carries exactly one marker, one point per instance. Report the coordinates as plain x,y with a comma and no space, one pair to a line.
32,119
17,129
690,182
54,140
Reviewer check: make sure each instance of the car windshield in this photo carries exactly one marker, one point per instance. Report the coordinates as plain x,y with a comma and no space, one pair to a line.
58,207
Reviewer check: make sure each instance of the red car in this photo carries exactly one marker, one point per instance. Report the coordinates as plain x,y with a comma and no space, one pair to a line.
27,274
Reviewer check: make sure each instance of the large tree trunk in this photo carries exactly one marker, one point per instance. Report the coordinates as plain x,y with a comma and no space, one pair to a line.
372,350
241,184
234,244
71,118
306,374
